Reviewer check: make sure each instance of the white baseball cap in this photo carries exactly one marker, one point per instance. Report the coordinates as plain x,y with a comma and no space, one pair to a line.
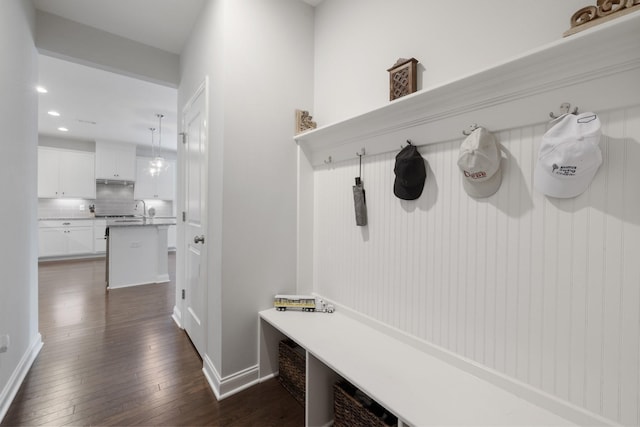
569,156
479,161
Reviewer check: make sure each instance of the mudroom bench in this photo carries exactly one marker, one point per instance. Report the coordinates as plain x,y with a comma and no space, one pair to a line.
417,387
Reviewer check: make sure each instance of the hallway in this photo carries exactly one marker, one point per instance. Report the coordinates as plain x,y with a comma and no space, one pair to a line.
118,358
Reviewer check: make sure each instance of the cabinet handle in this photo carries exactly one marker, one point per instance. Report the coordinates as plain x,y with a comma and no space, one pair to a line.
66,223
198,239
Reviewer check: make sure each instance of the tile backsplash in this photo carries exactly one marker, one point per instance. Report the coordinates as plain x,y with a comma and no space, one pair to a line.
111,199
64,208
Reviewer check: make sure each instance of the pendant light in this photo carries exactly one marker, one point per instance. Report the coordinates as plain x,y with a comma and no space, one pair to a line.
158,163
153,171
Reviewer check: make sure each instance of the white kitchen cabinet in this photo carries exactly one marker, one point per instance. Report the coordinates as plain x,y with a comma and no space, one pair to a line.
161,186
100,241
65,237
66,173
115,161
52,242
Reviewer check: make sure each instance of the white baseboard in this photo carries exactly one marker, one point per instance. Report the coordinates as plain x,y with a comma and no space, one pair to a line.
163,278
17,377
231,384
268,377
129,285
177,316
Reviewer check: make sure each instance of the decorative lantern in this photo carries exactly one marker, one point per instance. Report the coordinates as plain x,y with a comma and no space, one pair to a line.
402,78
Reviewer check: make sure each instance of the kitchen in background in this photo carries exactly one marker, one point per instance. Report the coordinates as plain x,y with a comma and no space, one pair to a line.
80,185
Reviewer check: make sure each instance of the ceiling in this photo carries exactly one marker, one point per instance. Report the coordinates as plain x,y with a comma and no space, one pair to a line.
164,24
100,105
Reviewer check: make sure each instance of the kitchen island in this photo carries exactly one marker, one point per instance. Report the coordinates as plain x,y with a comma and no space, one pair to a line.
137,251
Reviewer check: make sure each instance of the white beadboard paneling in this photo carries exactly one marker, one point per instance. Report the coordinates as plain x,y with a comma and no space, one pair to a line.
630,301
546,291
613,258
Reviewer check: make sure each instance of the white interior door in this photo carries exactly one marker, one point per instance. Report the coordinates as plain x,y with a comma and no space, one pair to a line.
195,235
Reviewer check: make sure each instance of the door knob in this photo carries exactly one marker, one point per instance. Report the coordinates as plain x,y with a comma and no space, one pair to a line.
198,239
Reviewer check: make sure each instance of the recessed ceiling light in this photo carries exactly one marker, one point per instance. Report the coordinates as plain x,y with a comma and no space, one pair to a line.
41,89
63,129
53,113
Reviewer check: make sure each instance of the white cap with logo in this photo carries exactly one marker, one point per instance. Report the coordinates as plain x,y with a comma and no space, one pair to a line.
479,161
569,156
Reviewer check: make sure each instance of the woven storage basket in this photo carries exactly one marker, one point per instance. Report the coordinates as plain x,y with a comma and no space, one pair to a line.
350,412
292,366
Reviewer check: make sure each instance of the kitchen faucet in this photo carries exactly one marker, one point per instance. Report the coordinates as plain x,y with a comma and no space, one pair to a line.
144,207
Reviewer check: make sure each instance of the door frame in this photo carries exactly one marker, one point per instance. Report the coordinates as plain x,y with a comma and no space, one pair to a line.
181,246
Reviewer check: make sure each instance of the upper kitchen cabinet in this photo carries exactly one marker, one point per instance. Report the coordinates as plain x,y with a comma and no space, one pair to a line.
161,186
115,161
66,173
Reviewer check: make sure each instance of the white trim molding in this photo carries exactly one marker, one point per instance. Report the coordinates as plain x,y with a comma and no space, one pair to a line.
177,316
17,377
231,384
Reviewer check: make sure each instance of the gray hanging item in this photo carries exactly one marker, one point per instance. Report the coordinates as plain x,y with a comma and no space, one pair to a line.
359,199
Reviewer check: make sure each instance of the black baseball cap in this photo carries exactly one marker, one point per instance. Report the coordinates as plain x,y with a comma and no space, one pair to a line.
410,173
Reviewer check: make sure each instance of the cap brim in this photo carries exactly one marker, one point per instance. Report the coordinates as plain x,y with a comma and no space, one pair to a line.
561,187
407,193
483,189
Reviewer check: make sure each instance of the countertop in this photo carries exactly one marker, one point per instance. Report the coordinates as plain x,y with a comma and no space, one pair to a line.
137,222
66,218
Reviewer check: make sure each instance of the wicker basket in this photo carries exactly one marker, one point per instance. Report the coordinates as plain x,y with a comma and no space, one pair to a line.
353,411
292,366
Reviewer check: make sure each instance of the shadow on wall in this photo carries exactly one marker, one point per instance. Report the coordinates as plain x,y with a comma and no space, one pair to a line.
615,189
511,173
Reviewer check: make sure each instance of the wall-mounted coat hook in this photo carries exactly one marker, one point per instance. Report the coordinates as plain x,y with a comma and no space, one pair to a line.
408,142
361,153
565,108
470,130
328,160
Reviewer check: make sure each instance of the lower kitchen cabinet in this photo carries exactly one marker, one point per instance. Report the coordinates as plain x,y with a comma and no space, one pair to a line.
65,237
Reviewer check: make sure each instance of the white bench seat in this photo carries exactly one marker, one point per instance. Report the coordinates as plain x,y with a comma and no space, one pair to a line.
420,389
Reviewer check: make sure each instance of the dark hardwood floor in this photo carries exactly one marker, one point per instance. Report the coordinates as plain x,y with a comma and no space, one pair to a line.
117,358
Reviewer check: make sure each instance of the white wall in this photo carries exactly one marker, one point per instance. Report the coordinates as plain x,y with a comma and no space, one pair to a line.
356,41
18,164
259,58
